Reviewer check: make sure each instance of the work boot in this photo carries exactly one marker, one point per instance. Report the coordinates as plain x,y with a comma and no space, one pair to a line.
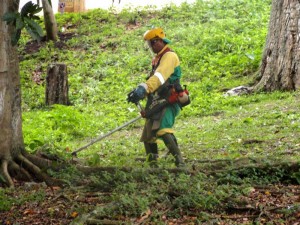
152,153
171,143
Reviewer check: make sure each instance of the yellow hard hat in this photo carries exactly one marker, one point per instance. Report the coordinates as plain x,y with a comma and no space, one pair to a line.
156,33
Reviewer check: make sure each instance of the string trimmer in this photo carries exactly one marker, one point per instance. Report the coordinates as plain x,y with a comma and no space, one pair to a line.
74,153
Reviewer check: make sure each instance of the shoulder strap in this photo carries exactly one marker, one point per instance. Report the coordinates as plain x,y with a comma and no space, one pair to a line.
155,65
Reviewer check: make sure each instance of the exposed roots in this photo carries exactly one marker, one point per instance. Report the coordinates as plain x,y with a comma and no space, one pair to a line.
26,167
16,169
7,177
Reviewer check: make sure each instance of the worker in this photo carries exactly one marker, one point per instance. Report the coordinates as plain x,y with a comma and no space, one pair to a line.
165,97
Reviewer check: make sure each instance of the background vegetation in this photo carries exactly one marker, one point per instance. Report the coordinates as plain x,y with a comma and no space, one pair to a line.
220,43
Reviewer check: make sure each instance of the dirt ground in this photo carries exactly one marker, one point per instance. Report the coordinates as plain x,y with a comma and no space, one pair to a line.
264,205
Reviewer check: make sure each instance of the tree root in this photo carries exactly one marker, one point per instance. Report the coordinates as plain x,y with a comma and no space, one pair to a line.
112,170
34,169
7,177
16,170
26,167
291,167
216,168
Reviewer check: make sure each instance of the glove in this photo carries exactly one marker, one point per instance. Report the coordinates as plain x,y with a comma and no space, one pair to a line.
137,94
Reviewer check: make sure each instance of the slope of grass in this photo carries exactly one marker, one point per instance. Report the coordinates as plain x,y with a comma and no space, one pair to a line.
219,44
232,145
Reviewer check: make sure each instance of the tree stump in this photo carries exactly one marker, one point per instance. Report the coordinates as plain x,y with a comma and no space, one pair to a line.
57,85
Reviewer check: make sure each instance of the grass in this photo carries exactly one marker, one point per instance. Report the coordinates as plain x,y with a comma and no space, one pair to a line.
219,48
220,44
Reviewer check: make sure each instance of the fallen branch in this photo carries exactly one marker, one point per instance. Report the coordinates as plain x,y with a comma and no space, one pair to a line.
104,222
89,170
290,151
286,166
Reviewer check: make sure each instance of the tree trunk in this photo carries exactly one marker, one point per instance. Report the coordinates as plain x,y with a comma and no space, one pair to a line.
50,22
11,139
13,158
57,85
280,66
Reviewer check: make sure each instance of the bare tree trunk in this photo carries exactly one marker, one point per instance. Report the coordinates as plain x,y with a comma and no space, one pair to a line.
13,158
280,66
8,119
50,22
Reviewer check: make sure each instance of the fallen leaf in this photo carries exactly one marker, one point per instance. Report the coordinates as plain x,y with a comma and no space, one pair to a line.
74,214
145,216
55,188
28,212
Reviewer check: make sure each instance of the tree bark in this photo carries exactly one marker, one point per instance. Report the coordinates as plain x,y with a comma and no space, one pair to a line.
57,85
11,140
280,66
13,158
50,22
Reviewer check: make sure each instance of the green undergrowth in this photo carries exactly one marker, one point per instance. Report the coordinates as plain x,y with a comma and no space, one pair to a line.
10,198
220,44
167,194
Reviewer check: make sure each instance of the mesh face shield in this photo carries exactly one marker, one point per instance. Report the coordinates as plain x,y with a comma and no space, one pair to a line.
148,47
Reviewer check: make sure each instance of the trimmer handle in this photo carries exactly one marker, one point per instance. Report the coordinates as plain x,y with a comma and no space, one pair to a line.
140,107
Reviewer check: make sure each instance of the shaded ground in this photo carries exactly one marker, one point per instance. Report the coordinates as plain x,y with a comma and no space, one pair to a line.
38,204
33,46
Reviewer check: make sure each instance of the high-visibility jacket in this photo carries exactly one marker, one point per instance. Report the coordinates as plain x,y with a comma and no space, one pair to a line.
165,69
